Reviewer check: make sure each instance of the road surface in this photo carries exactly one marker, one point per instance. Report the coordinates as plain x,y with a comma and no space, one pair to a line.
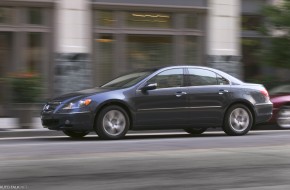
148,161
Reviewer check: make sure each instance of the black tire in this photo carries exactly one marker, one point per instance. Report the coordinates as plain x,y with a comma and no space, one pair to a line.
283,117
195,131
238,120
75,134
112,123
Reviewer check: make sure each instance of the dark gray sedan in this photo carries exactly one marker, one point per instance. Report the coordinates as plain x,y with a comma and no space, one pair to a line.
179,97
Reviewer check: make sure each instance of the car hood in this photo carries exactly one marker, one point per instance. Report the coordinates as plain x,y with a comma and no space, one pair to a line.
80,94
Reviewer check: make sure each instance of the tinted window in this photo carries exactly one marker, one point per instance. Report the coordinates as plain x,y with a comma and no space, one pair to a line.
169,78
221,80
199,77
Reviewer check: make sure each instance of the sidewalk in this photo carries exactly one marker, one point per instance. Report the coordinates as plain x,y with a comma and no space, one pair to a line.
9,128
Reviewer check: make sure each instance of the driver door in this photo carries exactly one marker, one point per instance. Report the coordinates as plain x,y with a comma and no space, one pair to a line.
166,105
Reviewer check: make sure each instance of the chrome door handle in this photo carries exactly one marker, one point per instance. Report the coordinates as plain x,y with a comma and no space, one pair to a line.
179,94
223,91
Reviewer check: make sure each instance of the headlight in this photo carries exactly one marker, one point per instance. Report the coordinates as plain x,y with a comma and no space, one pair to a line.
78,104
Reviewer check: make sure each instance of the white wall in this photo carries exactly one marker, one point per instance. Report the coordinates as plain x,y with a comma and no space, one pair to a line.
224,28
73,34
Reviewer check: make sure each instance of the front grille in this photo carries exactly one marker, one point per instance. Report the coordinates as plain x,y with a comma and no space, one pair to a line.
50,106
50,122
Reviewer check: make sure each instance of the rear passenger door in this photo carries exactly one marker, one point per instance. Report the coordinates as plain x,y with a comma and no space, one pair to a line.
208,95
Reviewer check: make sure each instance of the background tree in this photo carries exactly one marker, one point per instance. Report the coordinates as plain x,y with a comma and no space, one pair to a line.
277,51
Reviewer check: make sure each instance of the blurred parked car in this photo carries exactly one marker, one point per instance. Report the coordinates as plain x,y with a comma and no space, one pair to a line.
280,97
178,97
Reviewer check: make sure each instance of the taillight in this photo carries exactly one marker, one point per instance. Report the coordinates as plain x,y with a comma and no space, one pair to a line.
265,92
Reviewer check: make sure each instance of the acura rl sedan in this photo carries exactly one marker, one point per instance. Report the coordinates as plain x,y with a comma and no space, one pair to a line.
192,98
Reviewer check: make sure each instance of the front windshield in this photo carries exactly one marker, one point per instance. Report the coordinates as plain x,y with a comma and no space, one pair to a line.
127,80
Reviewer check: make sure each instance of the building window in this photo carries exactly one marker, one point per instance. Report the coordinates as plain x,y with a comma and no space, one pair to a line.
192,21
105,18
6,15
149,19
251,22
191,50
149,51
105,56
35,16
34,52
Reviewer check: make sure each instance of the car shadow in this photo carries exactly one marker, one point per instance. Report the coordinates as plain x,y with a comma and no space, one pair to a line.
134,137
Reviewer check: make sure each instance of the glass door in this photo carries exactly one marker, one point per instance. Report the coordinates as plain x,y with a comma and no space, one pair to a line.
5,63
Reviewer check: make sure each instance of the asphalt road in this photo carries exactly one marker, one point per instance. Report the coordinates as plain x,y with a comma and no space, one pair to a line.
171,161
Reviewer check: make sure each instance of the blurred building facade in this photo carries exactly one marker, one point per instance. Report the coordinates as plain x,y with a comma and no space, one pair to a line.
78,44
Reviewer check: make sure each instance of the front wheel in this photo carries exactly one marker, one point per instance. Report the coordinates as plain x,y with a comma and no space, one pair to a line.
195,131
112,123
238,120
75,134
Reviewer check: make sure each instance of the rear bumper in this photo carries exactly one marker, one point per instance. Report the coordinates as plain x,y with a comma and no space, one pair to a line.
80,121
264,112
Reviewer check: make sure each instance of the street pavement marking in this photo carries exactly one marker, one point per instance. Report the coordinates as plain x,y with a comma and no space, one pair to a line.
276,187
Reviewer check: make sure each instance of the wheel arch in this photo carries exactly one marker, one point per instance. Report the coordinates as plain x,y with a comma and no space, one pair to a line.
115,103
247,104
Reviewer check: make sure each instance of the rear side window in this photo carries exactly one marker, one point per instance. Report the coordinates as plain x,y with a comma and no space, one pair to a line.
200,77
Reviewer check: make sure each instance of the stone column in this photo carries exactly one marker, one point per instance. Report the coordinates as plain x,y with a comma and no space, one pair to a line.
223,42
72,67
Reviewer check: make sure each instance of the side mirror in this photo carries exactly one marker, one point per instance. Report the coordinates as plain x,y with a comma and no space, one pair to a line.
150,86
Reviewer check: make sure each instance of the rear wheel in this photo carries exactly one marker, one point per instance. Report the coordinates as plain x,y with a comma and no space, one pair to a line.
195,131
112,123
283,117
75,134
238,120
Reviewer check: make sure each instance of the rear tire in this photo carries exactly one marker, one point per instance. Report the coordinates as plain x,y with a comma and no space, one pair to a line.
195,131
238,120
112,123
75,134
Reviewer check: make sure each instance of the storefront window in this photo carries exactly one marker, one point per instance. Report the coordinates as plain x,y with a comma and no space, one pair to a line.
34,52
192,21
105,44
105,18
191,50
149,20
149,51
6,15
251,22
35,16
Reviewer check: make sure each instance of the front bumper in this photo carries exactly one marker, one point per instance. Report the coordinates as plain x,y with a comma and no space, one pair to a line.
264,112
78,121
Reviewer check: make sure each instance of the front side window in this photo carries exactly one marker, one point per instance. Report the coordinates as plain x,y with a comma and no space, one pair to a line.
168,79
200,77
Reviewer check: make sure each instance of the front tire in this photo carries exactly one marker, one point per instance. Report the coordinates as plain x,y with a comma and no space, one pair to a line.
195,131
238,120
112,123
75,134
